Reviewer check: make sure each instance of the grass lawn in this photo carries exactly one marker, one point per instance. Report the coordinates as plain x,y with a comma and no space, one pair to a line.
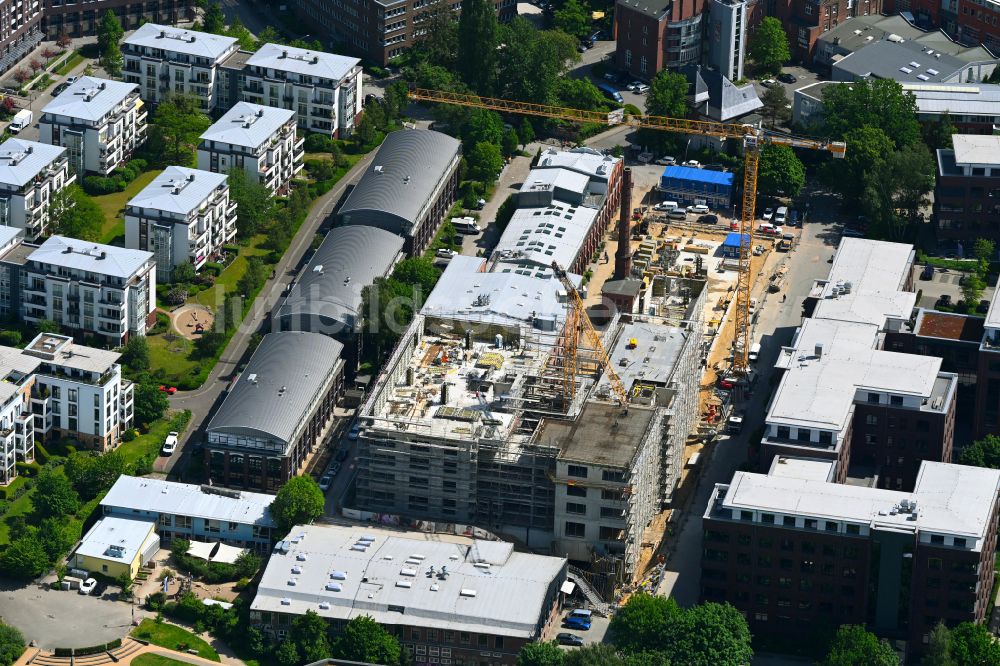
171,361
18,507
151,441
113,206
155,660
174,637
72,61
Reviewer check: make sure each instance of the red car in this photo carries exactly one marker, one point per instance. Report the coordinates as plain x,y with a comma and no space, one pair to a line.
725,383
169,390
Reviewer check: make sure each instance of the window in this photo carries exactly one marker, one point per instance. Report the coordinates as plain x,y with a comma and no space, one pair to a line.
576,491
959,542
642,64
826,438
937,539
853,529
788,521
576,530
612,476
575,508
746,515
767,518
579,471
784,432
610,512
628,57
873,398
811,523
610,533
871,420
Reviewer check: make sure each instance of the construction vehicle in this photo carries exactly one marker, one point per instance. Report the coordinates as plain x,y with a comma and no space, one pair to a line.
578,322
753,138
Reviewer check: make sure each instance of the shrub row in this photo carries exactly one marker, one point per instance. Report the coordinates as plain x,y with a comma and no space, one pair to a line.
117,181
93,649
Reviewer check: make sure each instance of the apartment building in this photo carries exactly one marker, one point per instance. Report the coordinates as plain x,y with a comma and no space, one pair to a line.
164,60
277,413
728,28
99,122
260,140
183,215
443,597
17,432
11,238
31,174
966,204
792,550
87,288
322,89
805,22
987,414
382,30
408,189
196,513
82,19
19,31
655,36
841,395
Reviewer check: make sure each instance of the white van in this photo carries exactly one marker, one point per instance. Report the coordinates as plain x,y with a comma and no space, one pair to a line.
753,306
780,216
754,352
465,225
21,120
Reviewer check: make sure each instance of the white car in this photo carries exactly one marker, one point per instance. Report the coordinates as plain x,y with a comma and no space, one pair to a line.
325,482
693,163
768,213
632,86
666,160
641,89
445,253
645,158
767,83
87,586
72,79
698,208
666,205
170,443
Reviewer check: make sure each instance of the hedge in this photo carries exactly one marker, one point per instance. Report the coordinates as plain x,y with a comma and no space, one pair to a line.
93,649
117,181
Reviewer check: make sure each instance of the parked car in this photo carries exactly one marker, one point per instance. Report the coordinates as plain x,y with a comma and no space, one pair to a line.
677,214
793,218
645,158
170,443
334,468
983,307
582,48
641,89
927,273
342,454
59,89
666,205
666,160
699,209
786,77
480,204
169,390
945,300
693,163
569,639
632,86
725,383
611,76
445,253
709,219
325,482
852,233
767,83
87,586
715,167
768,213
354,431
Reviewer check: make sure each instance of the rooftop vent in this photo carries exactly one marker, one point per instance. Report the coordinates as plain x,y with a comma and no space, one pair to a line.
324,605
301,557
286,602
378,168
404,583
292,582
296,570
338,575
466,592
333,587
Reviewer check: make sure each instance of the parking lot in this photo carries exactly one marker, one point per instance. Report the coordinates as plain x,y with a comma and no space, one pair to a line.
596,634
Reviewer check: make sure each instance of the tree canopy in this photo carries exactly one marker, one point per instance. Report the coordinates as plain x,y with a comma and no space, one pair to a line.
109,32
544,653
54,494
299,501
74,214
213,20
768,48
477,45
854,645
365,640
776,106
255,206
780,171
879,103
176,129
573,18
12,644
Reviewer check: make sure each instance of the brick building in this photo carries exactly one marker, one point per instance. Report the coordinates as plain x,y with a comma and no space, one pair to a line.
81,19
795,552
967,193
805,21
656,34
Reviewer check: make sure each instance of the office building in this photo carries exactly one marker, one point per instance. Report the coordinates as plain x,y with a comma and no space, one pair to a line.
261,140
793,551
31,175
99,122
277,412
86,288
195,513
83,19
19,32
967,192
728,33
988,374
652,36
443,597
327,296
322,89
408,189
908,62
164,60
116,546
805,22
382,30
563,209
841,395
183,215
688,186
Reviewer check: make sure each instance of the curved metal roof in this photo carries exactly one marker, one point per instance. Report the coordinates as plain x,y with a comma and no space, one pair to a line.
284,375
328,293
406,170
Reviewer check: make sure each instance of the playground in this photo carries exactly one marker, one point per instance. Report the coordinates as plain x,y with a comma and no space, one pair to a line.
190,321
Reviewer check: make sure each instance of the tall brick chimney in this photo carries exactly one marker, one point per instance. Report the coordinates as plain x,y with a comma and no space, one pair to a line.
623,255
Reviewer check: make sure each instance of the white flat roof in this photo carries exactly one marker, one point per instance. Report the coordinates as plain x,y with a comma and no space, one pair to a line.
951,499
582,160
178,40
810,469
976,149
113,538
91,257
90,98
21,160
248,125
178,190
993,314
303,61
539,236
186,499
547,179
345,572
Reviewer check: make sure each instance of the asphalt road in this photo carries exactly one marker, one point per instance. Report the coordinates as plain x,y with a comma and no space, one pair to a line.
776,323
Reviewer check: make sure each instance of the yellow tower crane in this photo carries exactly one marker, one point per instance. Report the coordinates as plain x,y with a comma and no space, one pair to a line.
754,138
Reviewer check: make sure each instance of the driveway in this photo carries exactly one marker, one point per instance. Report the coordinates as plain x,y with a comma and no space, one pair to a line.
56,618
510,181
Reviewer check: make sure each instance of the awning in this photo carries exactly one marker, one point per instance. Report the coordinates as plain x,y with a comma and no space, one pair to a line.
227,554
567,587
201,549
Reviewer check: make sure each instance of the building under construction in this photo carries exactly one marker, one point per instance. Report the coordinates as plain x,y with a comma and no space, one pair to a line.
476,418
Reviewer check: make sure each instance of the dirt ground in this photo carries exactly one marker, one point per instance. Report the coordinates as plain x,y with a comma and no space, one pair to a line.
191,320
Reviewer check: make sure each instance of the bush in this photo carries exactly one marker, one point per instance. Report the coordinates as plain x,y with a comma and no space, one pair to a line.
98,185
318,143
10,338
28,469
127,436
156,601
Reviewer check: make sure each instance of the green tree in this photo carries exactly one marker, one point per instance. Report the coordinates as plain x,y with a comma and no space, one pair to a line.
56,536
776,109
984,250
395,100
75,215
109,32
112,60
972,645
667,97
477,45
247,564
287,654
983,452
481,125
366,131
239,32
580,94
972,291
179,547
780,171
54,495
510,142
12,644
854,645
897,189
419,271
269,35
150,403
573,18
768,47
505,212
526,132
124,582
938,648
299,501
255,206
938,133
544,653
183,273
135,355
309,632
713,634
24,558
485,162
531,61
214,21
439,45
878,103
177,127
644,623
595,654
365,640
867,148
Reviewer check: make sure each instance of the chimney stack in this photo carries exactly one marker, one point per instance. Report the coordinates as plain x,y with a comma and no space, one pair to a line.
623,255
